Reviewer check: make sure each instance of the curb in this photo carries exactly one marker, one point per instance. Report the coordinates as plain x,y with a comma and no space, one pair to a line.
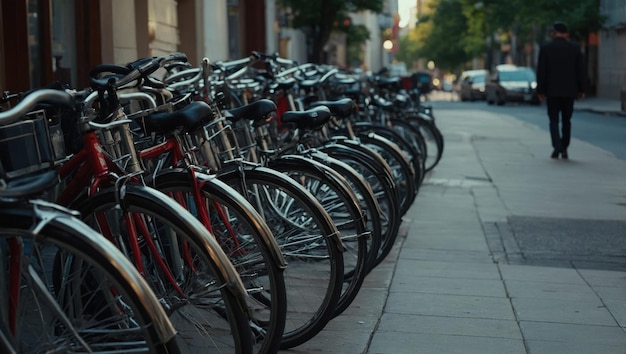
604,112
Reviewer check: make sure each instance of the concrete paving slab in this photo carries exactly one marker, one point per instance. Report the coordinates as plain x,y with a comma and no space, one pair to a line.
470,228
401,343
544,347
449,286
604,278
409,267
545,290
353,322
617,308
334,342
458,242
368,303
541,274
380,277
489,206
446,255
449,305
573,333
611,292
562,311
456,326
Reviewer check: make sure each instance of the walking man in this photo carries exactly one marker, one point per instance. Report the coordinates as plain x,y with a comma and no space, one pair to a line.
560,80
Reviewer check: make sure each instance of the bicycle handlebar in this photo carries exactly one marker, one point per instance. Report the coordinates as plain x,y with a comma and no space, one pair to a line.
133,71
274,57
29,103
232,64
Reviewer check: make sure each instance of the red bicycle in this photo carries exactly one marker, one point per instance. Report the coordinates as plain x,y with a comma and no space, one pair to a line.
185,266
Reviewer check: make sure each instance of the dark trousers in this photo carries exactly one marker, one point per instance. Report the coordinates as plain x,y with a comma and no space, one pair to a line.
560,109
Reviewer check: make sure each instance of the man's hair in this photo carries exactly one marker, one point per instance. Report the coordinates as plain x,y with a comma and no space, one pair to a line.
559,27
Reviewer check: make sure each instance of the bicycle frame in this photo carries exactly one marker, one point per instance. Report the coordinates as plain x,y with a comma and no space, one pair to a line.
172,147
93,168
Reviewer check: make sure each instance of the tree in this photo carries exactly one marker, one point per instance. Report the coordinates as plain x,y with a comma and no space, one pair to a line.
318,18
459,30
411,45
356,36
444,35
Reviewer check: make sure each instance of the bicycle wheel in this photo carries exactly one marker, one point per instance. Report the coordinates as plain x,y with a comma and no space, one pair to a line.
247,241
433,138
402,171
188,271
337,198
411,141
367,200
377,173
308,240
69,290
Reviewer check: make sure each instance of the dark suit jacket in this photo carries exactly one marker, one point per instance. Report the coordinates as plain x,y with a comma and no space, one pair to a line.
561,70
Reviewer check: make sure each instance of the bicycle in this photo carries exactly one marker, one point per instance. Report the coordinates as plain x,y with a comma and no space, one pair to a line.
184,265
307,236
241,232
64,287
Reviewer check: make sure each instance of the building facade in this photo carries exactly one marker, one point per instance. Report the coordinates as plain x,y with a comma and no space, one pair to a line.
612,50
43,41
47,40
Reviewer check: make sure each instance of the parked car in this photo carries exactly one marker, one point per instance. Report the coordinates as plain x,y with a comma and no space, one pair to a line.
472,85
509,83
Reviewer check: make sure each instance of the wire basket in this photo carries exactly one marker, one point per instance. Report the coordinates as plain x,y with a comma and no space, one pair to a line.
26,147
212,145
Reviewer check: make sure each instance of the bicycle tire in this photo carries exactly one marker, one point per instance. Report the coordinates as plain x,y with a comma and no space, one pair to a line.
433,138
365,196
407,137
207,303
289,209
254,253
111,306
377,173
401,168
412,142
337,198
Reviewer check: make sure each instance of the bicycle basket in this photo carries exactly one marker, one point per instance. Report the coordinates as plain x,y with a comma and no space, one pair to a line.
213,144
26,146
243,135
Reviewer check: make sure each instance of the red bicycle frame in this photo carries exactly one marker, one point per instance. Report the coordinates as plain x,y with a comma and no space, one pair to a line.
172,146
93,168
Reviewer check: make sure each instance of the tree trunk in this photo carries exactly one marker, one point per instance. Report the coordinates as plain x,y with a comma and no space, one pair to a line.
322,32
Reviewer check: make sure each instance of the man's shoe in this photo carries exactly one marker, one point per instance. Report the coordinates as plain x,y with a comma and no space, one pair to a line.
564,154
555,154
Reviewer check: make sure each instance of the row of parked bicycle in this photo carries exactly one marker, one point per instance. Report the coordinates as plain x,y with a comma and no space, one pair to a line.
231,207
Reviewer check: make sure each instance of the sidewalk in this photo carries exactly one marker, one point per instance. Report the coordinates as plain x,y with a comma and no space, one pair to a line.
600,105
462,279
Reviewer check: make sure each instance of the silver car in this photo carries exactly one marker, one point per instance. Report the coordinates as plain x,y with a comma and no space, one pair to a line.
511,83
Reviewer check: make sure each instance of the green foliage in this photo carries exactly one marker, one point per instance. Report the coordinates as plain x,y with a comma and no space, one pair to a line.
445,44
320,17
356,35
457,30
